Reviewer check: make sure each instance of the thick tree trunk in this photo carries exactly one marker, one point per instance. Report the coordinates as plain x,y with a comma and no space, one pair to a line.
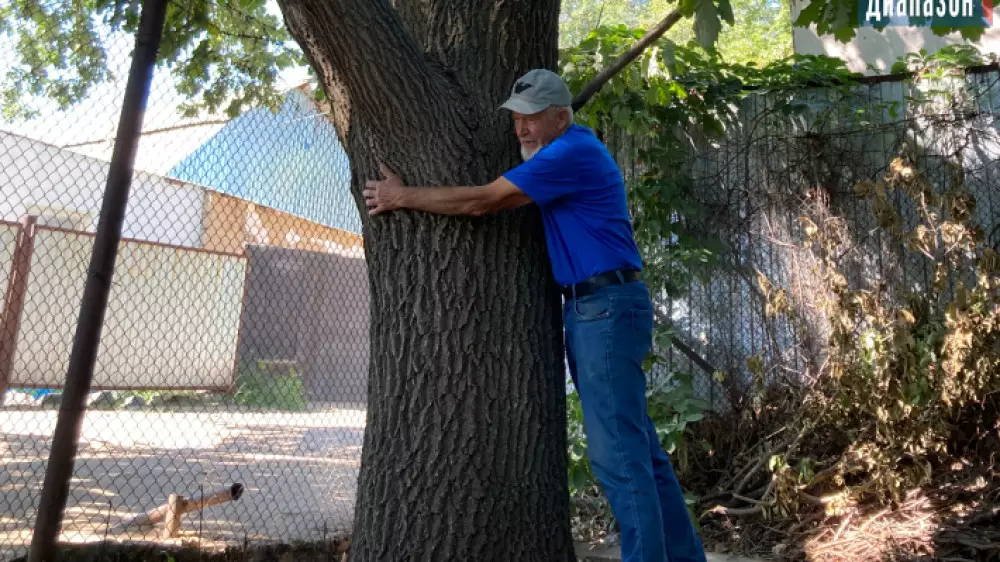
464,455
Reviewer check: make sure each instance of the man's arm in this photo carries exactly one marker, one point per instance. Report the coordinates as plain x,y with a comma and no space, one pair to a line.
389,194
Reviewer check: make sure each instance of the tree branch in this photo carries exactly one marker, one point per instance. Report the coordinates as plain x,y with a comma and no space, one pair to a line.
627,57
693,356
737,511
687,350
194,124
343,39
761,461
753,501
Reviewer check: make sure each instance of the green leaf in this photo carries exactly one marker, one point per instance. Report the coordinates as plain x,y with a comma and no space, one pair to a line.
686,380
577,477
650,360
654,94
726,12
695,417
691,498
622,116
679,91
669,56
774,462
669,444
688,7
812,13
707,25
664,338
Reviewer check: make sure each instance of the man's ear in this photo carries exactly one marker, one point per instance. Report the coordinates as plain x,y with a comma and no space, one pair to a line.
563,118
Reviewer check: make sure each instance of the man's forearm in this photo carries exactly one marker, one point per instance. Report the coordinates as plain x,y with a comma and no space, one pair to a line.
444,200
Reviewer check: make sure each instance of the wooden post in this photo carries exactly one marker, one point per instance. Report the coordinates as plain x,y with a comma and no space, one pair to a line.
168,510
172,522
13,303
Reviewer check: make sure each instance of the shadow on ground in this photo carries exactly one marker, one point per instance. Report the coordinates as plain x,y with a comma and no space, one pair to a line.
326,551
299,471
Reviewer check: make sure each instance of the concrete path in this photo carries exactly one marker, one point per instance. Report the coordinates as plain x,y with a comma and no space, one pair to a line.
299,469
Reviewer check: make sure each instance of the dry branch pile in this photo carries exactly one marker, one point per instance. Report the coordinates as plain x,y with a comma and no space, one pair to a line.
883,447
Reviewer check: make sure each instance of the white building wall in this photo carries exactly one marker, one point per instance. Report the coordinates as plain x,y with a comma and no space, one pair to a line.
8,236
172,321
66,190
882,48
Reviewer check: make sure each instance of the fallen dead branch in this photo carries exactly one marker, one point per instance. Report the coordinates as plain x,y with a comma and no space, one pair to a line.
170,513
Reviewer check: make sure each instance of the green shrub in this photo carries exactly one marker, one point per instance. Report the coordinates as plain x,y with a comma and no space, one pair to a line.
270,385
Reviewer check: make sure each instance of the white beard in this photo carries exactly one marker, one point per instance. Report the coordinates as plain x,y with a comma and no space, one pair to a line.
527,154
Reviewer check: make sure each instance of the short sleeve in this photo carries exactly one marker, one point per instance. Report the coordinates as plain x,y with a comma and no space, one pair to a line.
549,175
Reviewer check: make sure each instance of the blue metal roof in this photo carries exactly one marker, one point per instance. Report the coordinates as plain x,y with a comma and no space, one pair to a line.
290,160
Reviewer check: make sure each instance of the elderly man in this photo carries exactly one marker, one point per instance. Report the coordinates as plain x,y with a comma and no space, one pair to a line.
608,313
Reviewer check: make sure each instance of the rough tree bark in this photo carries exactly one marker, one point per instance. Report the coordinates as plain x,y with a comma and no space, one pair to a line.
464,455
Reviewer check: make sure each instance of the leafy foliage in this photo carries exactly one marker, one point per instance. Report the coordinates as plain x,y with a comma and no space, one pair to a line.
666,102
644,104
671,405
225,54
902,384
902,369
580,17
948,60
757,30
915,368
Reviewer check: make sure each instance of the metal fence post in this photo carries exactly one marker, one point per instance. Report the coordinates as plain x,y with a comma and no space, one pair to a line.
13,302
55,489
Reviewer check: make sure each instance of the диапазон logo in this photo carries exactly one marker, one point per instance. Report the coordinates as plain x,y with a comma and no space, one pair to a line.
925,13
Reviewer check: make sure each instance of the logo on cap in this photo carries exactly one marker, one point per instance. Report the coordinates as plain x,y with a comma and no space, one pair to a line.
520,87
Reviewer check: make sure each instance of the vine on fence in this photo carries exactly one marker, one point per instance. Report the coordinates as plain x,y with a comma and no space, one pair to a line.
882,399
906,385
663,100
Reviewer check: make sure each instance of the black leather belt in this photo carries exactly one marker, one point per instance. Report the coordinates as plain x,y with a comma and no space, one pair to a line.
588,286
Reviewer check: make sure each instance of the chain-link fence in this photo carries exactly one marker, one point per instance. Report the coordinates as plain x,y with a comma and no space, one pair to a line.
789,155
235,345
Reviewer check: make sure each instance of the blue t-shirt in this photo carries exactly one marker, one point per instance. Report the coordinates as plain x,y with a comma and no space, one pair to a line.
579,188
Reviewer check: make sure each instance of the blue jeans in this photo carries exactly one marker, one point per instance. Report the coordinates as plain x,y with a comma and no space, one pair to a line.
608,335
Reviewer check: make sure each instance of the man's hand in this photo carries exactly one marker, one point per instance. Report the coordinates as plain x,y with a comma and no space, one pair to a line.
385,195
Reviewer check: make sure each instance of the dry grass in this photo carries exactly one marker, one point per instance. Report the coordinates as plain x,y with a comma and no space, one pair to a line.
956,518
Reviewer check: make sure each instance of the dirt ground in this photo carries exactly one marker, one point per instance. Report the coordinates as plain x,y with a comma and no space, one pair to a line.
299,471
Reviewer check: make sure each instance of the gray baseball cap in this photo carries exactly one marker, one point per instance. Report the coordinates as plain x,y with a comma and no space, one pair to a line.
536,91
